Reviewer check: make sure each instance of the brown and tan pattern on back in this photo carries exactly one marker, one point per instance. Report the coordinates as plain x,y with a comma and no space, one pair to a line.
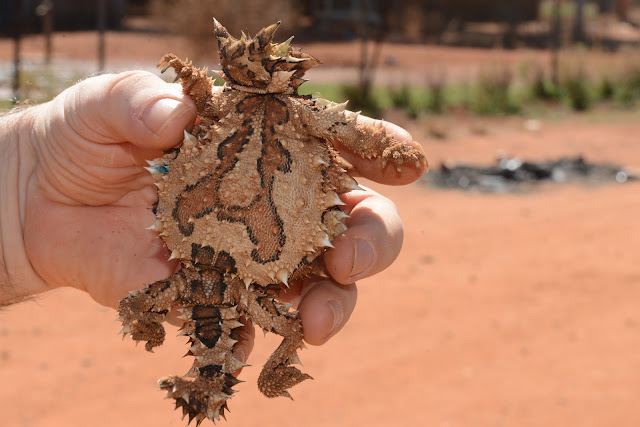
249,201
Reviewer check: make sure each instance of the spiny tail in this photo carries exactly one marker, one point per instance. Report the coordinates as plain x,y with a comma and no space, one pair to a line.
211,332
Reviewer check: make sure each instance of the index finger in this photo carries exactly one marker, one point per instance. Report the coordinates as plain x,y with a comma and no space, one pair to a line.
373,169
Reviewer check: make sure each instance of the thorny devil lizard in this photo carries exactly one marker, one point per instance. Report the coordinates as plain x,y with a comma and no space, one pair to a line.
247,203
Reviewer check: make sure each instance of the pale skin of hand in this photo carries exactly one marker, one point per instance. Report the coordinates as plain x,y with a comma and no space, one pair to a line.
87,201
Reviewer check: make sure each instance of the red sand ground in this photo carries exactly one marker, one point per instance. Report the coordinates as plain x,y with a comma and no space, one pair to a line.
502,310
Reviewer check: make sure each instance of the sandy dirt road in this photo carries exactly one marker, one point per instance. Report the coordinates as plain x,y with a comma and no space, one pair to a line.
502,310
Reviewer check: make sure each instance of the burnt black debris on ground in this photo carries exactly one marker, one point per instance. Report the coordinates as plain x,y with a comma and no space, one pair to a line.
511,174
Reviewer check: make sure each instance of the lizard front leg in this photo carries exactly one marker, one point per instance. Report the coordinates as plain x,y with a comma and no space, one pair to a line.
212,105
332,122
195,81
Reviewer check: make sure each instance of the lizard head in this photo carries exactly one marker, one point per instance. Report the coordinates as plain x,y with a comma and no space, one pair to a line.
257,63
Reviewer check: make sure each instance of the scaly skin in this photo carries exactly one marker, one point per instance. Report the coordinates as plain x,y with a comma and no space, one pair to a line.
249,201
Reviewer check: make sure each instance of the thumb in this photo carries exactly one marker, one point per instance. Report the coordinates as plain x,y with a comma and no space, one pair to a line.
135,106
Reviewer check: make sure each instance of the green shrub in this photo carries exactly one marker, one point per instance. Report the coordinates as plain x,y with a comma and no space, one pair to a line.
436,96
543,88
331,91
404,98
492,93
576,90
40,83
401,97
628,88
606,89
369,103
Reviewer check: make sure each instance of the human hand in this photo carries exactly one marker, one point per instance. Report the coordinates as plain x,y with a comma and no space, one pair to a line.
87,201
370,244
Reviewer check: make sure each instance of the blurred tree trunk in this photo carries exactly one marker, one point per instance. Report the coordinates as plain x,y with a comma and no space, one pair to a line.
17,33
556,34
622,8
369,57
607,6
578,24
102,23
512,25
45,12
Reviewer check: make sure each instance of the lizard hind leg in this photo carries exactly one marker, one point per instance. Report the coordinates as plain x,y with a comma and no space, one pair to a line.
144,310
210,329
271,315
277,375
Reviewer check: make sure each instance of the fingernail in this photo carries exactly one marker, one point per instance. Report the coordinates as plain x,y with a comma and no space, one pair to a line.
363,257
160,113
338,314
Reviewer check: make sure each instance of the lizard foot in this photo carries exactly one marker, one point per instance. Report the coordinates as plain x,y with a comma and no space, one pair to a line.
277,376
400,153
